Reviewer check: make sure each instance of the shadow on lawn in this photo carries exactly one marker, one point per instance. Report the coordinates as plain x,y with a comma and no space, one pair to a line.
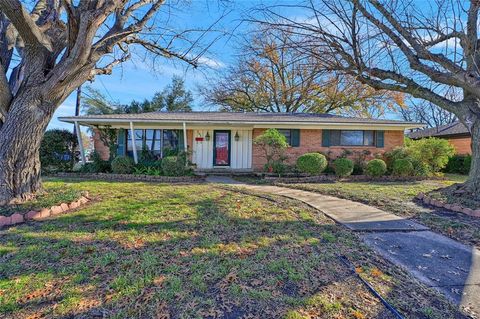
211,265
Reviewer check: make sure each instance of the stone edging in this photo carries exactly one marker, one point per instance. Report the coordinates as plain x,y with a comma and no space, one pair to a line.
453,207
19,218
131,177
352,178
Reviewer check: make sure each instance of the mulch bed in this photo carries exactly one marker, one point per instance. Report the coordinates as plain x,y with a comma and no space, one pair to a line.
352,178
131,177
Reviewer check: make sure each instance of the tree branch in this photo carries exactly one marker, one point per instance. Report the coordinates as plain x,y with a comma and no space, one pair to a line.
25,25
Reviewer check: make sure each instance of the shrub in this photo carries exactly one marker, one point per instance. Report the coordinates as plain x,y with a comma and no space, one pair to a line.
57,151
88,168
394,155
402,167
173,166
343,166
376,167
273,144
358,168
99,165
276,167
312,163
122,165
431,152
459,164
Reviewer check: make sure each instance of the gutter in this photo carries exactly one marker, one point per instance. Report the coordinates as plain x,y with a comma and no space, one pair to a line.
253,123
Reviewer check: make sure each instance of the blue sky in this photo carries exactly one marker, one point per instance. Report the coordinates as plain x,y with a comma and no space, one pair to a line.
140,78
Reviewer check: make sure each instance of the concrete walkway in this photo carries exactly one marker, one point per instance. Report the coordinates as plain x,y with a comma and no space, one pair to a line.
439,262
353,215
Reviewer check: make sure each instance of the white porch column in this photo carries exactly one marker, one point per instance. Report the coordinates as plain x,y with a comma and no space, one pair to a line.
134,146
185,146
80,144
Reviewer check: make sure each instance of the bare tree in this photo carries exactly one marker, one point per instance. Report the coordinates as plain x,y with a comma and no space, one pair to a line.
426,112
271,76
418,48
48,48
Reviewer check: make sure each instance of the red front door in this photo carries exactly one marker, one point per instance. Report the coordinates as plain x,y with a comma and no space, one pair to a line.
221,148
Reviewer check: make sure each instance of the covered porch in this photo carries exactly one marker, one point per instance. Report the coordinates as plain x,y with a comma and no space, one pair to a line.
211,148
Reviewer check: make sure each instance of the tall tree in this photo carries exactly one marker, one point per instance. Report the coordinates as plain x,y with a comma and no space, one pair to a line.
270,76
49,48
174,98
421,48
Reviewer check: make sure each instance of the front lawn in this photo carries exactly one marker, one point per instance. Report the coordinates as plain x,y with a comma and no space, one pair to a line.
196,251
398,197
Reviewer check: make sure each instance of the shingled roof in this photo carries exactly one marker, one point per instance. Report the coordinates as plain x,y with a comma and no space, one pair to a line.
240,117
453,129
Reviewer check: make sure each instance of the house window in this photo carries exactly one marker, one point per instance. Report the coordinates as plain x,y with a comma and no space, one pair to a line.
352,138
158,142
170,140
292,136
287,134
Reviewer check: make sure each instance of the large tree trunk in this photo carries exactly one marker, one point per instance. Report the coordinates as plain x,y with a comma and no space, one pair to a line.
20,138
473,182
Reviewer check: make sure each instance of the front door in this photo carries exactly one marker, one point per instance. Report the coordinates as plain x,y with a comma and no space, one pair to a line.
221,148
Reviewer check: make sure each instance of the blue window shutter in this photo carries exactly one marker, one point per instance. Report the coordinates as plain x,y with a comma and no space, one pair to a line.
295,137
326,138
380,139
121,142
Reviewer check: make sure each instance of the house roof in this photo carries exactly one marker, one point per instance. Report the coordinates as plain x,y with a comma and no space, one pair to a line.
452,129
234,117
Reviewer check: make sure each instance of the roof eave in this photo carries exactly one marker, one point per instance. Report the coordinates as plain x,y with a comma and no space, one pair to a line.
94,121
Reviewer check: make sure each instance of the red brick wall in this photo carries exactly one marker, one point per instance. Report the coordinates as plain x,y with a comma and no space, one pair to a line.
99,146
463,145
311,141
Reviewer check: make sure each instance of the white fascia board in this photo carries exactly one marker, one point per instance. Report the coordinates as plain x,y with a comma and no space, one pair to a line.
147,123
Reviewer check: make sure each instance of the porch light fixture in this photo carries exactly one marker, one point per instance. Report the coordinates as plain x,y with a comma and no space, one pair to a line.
207,137
237,137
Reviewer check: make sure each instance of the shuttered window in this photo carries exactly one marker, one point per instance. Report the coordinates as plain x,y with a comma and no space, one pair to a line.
292,136
159,143
352,138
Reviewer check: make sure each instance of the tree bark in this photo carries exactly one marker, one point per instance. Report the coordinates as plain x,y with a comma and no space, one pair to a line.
21,135
473,182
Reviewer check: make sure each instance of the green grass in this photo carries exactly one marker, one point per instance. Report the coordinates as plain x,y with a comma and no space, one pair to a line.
398,197
194,251
54,193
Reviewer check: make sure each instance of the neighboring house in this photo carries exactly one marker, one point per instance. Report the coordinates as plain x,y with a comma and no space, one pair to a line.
456,133
225,140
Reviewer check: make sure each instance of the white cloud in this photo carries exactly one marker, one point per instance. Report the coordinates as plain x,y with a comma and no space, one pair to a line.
210,62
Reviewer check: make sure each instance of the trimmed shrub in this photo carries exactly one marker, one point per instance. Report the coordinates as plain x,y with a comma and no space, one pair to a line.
122,165
343,166
402,167
395,154
432,152
459,164
273,145
173,166
312,163
376,167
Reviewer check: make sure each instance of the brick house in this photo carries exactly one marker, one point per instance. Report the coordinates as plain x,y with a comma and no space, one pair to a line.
221,140
456,133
